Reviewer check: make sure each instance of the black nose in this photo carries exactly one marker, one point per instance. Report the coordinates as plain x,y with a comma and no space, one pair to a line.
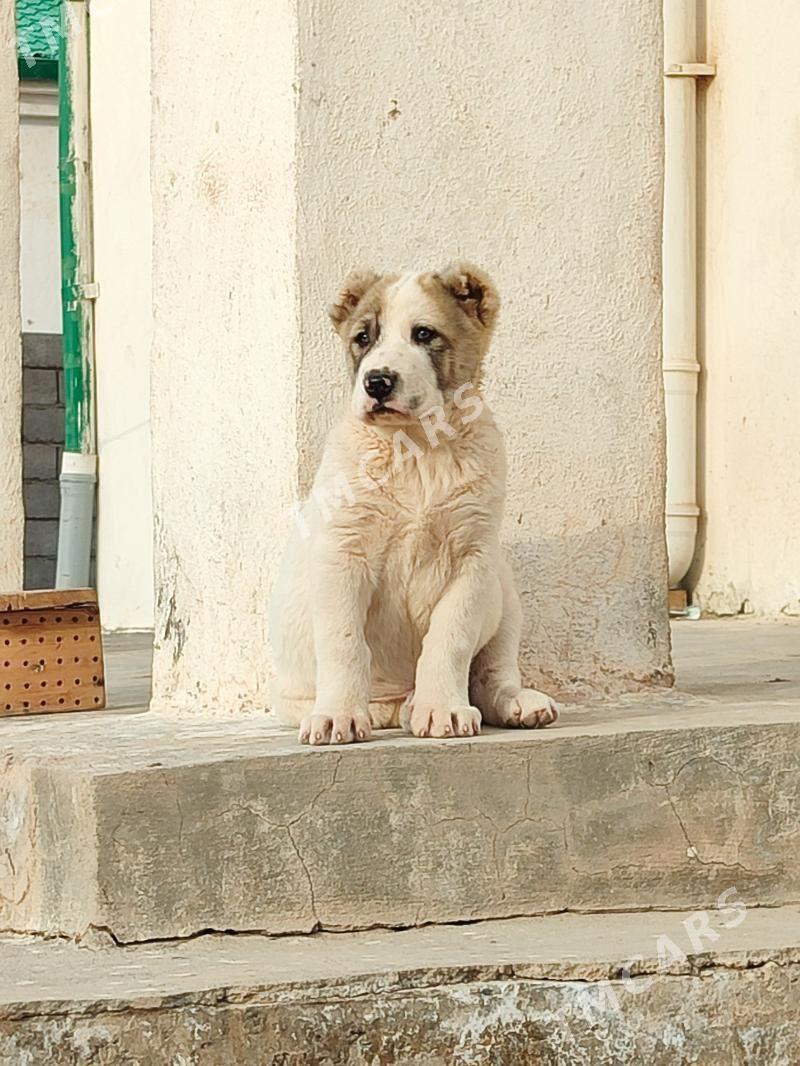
379,384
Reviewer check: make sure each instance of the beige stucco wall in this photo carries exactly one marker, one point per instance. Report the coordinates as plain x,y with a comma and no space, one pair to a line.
120,71
11,514
512,133
749,550
401,136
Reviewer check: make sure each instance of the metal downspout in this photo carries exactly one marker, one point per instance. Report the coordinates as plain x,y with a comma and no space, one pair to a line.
79,464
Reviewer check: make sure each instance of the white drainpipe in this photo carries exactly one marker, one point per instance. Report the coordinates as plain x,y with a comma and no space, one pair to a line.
680,279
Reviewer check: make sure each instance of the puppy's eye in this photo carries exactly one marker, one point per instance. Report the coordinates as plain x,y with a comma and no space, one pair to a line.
423,334
362,339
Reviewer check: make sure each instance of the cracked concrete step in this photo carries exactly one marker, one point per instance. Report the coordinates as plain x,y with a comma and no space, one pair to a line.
155,829
716,988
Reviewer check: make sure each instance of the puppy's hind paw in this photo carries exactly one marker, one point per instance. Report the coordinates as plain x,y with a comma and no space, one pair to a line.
528,709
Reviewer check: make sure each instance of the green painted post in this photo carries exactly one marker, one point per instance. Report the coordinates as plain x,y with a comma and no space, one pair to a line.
77,382
78,290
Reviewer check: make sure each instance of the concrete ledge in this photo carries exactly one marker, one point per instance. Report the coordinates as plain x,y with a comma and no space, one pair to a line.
571,990
151,830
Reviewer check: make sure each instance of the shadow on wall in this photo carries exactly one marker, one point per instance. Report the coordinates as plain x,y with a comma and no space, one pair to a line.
580,635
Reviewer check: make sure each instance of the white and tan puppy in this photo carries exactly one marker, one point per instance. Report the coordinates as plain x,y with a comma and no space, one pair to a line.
394,604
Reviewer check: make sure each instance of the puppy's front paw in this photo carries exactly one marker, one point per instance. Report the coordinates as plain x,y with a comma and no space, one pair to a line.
427,721
528,709
318,729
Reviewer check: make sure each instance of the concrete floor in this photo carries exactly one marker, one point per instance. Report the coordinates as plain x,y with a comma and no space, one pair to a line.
732,672
128,658
715,659
749,657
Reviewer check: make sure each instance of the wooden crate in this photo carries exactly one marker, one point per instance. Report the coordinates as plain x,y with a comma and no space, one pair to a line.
51,652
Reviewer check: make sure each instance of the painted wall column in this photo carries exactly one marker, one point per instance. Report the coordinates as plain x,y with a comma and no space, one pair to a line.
11,509
120,101
225,348
351,151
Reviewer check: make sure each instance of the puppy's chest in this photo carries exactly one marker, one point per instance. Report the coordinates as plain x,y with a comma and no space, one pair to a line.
428,535
432,523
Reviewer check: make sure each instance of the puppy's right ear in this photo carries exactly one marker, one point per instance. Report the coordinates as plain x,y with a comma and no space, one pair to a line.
350,296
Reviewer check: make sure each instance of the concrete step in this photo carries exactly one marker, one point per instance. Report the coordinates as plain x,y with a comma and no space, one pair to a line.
157,829
717,988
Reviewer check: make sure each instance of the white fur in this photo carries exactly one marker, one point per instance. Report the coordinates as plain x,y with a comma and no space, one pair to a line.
394,603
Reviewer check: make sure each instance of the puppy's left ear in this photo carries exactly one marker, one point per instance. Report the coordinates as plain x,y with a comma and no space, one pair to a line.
353,290
474,291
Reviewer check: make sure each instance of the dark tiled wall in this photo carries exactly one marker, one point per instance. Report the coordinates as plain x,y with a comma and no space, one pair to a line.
42,442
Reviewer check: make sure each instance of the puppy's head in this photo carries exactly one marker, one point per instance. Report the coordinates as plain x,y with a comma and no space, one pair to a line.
412,340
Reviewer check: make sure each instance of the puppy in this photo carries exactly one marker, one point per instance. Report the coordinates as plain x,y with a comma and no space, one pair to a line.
394,604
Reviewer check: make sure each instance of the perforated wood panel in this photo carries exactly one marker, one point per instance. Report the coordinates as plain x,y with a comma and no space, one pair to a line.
51,653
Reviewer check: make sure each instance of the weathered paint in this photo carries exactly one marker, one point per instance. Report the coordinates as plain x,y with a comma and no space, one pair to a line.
11,511
77,310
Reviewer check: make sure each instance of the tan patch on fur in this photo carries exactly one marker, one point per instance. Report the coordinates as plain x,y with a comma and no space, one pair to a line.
356,287
474,291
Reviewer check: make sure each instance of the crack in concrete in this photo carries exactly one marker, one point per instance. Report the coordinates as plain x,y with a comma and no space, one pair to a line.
292,821
327,788
529,786
307,872
330,930
288,826
692,851
700,757
11,901
180,822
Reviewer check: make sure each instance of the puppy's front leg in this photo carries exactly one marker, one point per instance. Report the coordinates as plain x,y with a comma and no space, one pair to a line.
341,600
441,706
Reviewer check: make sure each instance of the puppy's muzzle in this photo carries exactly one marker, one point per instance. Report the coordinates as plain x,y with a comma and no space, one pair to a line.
380,384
